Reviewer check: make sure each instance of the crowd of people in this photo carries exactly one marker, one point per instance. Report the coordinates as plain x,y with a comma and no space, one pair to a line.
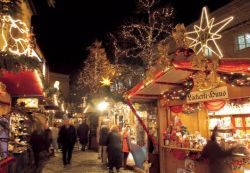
113,144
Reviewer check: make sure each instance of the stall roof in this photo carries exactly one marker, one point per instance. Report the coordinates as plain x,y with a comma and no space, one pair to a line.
176,75
22,84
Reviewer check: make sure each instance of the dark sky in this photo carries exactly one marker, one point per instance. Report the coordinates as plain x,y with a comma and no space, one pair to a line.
64,32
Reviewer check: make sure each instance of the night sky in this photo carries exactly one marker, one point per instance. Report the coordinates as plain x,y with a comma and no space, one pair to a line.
63,33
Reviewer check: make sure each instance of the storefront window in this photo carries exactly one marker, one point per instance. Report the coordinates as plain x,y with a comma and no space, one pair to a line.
243,41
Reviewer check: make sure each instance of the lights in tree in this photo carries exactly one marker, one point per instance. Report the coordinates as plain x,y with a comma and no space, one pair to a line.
206,34
106,81
95,67
16,36
138,39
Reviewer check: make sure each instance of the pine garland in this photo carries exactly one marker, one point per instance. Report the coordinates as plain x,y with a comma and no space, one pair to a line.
17,63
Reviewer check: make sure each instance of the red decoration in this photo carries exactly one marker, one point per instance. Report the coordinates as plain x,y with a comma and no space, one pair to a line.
225,65
186,52
176,109
4,164
21,84
215,105
180,155
141,122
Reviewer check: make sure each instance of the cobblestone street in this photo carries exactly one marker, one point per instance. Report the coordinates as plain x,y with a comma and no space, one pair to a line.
82,162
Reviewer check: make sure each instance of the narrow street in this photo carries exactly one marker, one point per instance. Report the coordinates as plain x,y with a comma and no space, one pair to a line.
82,162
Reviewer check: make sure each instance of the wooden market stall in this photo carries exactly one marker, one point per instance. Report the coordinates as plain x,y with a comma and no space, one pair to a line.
5,105
26,91
194,116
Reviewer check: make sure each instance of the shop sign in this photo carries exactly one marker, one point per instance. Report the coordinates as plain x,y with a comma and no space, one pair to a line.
215,94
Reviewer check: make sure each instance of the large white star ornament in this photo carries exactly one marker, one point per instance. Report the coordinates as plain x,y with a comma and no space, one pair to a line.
204,36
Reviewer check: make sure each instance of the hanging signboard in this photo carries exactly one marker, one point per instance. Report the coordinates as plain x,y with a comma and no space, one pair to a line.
214,94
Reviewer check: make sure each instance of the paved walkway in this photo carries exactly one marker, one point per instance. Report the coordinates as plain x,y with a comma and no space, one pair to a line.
82,162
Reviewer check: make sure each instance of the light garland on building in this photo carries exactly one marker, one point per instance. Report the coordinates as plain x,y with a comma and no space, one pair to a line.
13,42
206,34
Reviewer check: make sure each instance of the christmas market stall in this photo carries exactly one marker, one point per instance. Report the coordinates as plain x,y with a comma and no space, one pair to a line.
194,94
5,105
26,90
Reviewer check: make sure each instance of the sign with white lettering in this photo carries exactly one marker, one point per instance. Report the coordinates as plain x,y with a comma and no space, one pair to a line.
214,94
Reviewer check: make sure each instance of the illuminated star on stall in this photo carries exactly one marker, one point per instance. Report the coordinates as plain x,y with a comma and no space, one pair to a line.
204,36
106,81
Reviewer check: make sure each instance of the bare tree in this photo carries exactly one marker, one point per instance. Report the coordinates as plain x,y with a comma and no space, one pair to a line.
139,39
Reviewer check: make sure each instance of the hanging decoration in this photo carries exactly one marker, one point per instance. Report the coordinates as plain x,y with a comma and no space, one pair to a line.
235,79
15,35
204,36
17,45
206,78
190,108
180,92
214,105
106,81
176,109
181,41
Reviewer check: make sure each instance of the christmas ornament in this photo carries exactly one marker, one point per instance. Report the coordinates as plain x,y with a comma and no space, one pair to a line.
106,81
204,36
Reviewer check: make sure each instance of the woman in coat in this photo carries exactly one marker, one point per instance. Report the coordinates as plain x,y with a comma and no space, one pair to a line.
125,145
114,149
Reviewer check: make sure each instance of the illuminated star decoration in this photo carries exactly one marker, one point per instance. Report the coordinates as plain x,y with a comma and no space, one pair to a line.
204,36
106,81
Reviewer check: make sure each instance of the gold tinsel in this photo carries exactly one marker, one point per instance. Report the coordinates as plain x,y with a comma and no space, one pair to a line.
179,36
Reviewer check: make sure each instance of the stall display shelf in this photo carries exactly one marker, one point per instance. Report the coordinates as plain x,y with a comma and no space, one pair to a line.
181,148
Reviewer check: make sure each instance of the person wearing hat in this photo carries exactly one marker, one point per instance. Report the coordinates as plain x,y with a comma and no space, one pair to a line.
67,139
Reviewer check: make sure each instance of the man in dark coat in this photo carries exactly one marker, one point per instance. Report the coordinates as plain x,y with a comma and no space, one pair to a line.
216,155
37,142
114,149
83,133
67,139
103,135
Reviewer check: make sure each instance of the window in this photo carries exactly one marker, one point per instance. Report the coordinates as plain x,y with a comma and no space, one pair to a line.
243,41
208,52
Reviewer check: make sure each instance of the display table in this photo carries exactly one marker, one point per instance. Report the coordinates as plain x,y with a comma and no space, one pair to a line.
5,163
23,160
175,157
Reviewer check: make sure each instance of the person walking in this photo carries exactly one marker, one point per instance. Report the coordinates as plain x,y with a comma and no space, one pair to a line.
67,139
125,145
217,155
37,141
114,149
83,134
103,135
54,134
48,140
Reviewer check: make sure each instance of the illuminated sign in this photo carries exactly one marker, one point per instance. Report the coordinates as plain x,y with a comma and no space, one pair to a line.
28,102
